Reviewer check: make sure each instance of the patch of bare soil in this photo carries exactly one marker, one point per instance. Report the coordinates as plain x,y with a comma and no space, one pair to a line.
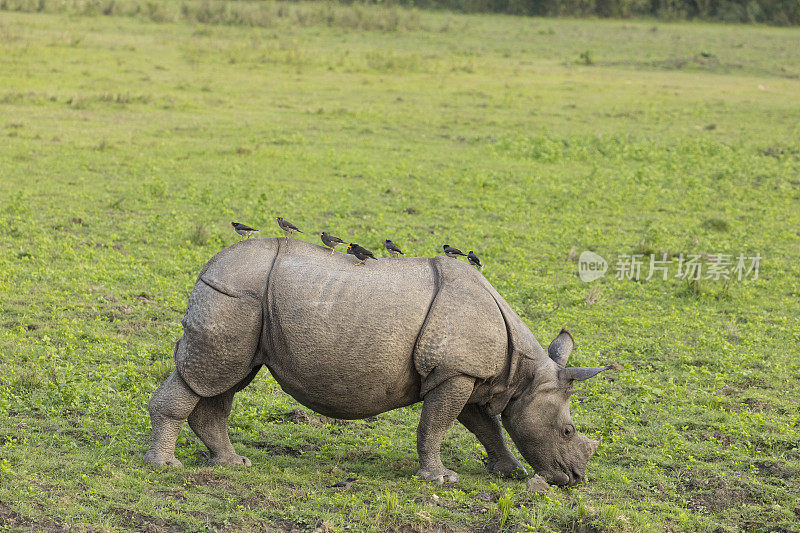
776,469
116,312
10,519
145,523
288,526
715,492
758,406
207,477
172,495
724,439
274,449
144,298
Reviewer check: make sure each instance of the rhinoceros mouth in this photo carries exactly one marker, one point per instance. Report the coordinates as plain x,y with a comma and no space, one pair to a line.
565,473
575,477
558,478
568,477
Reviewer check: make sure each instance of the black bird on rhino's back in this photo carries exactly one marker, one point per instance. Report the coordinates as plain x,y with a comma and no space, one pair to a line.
473,260
330,241
360,252
287,227
449,251
392,248
242,229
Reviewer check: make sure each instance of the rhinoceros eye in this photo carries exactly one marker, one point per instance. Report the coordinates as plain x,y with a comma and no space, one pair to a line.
568,430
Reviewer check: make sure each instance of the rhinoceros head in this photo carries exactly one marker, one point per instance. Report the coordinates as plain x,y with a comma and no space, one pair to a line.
539,421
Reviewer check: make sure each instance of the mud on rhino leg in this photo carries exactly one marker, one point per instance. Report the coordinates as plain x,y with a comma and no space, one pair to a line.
170,405
209,421
490,433
440,408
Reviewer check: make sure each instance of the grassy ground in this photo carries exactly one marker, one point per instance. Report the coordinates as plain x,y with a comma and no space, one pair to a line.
128,144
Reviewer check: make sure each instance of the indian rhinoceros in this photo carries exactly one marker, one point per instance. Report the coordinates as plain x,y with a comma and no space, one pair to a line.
355,341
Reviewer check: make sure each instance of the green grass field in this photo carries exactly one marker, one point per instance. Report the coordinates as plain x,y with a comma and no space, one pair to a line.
129,143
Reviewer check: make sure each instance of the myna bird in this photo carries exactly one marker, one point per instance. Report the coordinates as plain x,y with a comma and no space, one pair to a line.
360,252
242,230
330,241
393,249
473,260
287,226
449,251
344,485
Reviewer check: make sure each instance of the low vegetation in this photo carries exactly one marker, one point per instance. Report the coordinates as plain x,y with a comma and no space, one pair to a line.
258,13
779,12
130,140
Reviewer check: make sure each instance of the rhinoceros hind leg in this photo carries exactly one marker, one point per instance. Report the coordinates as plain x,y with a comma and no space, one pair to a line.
490,433
172,402
440,408
209,421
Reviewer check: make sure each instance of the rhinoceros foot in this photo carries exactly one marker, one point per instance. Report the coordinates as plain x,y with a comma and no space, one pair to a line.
437,476
507,467
156,459
229,460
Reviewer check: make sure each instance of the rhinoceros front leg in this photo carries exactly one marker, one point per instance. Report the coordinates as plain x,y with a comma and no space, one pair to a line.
440,408
209,421
490,433
169,407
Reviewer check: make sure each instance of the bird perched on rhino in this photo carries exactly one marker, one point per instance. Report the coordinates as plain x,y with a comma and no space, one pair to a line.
242,229
287,227
473,260
449,251
360,252
330,241
392,248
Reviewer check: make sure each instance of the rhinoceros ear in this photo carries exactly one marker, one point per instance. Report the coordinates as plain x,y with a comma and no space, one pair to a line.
579,373
561,347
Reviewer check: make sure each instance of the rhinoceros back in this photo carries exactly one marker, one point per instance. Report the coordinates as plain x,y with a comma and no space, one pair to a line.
353,341
341,337
348,341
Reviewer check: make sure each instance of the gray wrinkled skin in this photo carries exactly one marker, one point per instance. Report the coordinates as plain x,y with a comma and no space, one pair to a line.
353,342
